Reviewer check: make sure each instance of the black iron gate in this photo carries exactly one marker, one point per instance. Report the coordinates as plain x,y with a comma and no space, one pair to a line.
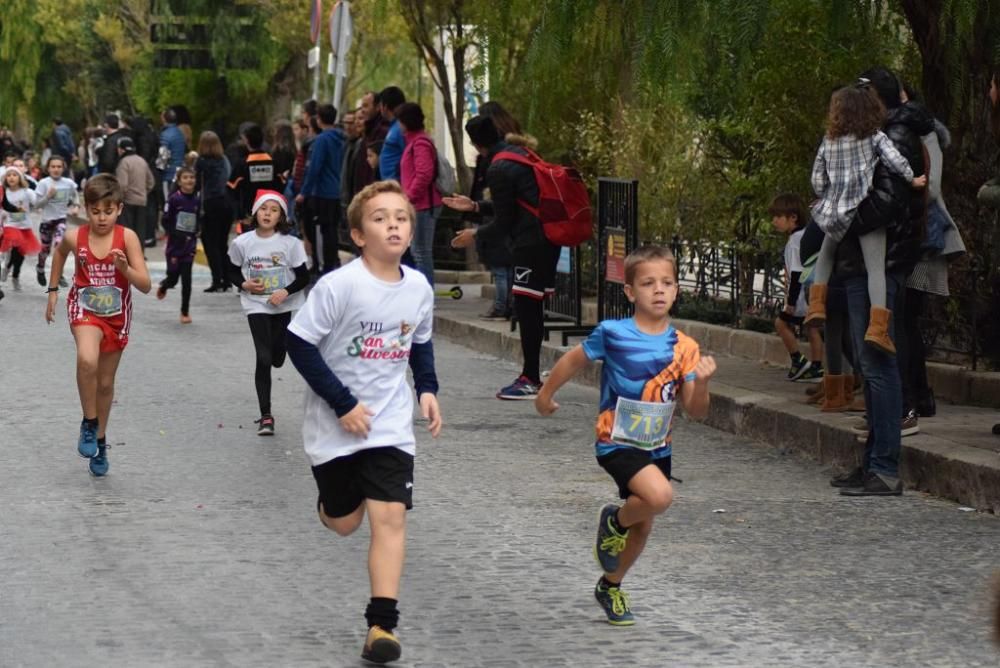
617,235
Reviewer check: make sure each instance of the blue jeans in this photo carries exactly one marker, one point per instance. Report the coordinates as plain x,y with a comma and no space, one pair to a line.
883,389
503,277
423,242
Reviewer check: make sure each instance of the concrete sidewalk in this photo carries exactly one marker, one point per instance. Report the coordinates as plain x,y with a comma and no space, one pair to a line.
954,456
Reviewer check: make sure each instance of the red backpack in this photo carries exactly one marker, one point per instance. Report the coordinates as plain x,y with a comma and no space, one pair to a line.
563,200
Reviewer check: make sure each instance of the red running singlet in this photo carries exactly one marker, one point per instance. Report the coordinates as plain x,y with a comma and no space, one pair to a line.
101,296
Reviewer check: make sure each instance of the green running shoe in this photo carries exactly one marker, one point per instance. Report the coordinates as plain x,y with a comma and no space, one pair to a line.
616,605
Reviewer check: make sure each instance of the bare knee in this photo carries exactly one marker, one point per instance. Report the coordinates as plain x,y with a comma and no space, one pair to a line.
105,386
660,498
86,365
342,526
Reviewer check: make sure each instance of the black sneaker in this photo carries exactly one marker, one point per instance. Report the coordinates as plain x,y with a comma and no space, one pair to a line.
875,485
812,374
853,478
40,276
909,425
265,425
798,368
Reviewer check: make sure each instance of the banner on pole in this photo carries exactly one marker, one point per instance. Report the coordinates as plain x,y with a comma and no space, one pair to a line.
315,20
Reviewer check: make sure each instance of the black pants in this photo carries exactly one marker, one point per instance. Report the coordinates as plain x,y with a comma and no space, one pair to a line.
912,353
268,333
215,226
16,260
183,273
135,219
325,215
531,319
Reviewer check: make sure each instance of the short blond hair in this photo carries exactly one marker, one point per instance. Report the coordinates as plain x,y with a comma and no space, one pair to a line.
356,210
647,254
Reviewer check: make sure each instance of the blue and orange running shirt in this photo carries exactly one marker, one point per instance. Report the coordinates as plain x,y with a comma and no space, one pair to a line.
638,366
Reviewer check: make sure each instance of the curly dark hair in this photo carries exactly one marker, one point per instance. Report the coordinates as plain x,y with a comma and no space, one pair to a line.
855,110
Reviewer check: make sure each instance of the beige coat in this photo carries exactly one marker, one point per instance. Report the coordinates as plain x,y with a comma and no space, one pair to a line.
135,178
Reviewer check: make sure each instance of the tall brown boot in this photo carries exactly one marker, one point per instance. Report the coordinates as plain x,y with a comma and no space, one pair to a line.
835,401
878,330
816,314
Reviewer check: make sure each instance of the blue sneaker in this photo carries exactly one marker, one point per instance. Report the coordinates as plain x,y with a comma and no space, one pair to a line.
520,390
99,463
610,543
87,445
616,605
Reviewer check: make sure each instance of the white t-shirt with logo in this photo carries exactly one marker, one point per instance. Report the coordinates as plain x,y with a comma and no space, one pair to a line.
364,328
22,199
793,263
272,259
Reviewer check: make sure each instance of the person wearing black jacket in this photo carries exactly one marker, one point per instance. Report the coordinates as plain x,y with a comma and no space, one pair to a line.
535,259
107,160
893,204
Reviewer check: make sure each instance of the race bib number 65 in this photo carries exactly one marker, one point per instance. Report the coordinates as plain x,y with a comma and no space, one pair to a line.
104,300
274,278
642,424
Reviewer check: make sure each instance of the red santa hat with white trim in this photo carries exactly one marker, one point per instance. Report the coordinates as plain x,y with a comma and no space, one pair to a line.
269,196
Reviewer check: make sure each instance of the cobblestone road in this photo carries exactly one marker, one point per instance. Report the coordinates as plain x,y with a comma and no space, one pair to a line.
202,548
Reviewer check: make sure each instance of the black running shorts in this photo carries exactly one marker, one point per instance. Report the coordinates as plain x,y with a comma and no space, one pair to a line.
380,474
622,465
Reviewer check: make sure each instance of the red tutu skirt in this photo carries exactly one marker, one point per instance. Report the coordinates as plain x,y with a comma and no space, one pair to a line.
24,241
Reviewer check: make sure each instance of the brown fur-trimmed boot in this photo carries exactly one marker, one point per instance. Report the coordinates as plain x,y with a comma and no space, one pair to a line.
816,314
878,330
835,401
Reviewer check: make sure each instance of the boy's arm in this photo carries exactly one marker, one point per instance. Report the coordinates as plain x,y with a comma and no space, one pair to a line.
308,361
426,384
59,255
694,394
132,263
568,366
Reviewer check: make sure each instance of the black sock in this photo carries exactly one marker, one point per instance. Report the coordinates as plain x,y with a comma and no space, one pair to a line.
618,525
382,612
103,440
796,357
91,421
605,583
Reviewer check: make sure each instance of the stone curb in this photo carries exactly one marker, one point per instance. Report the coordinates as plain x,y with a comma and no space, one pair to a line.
967,475
951,383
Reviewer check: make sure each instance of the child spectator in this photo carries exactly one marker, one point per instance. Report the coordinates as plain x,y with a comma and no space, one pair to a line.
788,216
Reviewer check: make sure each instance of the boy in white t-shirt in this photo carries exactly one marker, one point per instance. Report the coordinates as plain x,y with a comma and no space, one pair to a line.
788,217
352,341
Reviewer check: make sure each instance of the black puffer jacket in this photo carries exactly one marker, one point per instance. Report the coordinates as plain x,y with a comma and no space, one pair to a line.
892,203
509,182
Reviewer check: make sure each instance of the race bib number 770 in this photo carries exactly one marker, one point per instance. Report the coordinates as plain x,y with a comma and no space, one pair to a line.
105,300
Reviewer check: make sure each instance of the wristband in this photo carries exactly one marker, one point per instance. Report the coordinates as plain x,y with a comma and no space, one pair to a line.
55,289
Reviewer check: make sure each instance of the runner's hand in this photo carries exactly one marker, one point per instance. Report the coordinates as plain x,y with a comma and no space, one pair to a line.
358,421
545,404
459,203
431,411
278,296
254,286
920,182
705,369
50,308
121,260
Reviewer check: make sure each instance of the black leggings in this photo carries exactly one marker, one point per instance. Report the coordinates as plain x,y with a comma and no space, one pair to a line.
531,320
215,226
184,274
268,333
16,260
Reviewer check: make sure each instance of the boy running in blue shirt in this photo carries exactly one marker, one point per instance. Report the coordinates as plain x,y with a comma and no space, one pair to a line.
647,366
